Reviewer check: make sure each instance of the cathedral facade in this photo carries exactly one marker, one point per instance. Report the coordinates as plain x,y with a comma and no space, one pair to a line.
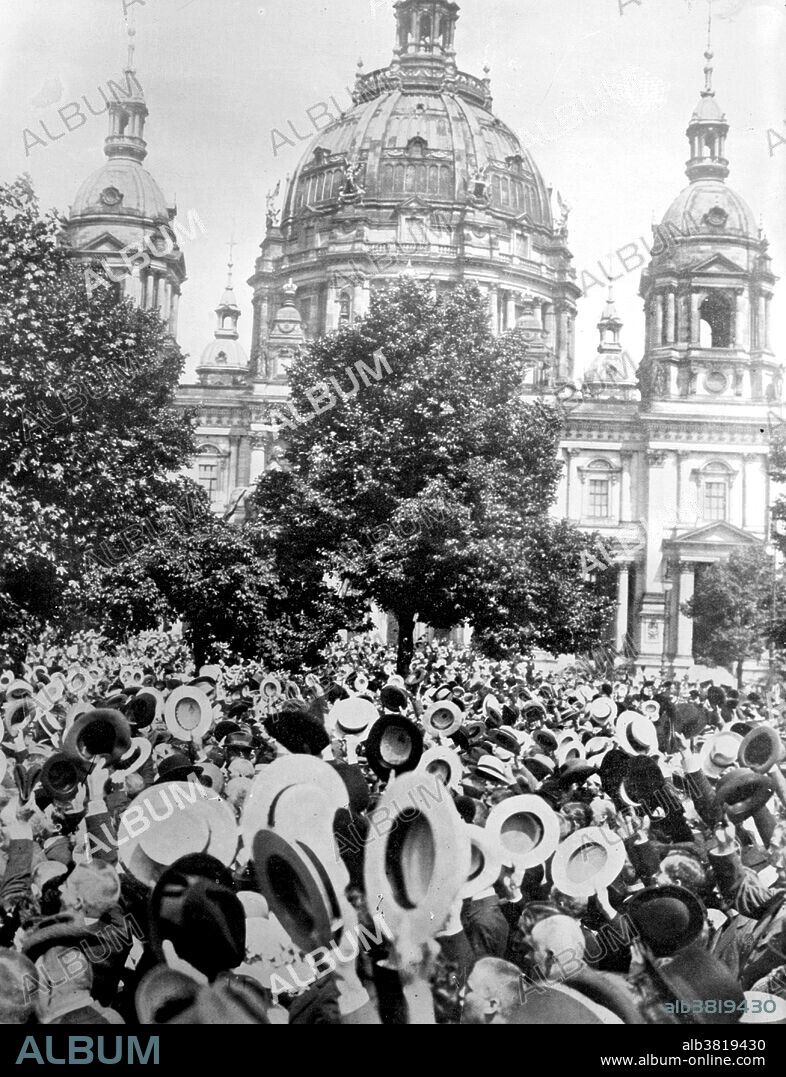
666,458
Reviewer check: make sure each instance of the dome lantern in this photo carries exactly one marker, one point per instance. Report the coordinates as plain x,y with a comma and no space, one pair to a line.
707,129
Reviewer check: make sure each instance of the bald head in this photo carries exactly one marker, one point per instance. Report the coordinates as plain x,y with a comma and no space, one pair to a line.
494,993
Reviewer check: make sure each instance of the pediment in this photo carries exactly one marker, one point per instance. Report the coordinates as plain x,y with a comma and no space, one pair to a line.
719,264
103,242
415,204
717,534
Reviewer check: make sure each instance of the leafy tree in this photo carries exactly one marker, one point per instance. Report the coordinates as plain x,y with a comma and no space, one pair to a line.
221,581
418,474
89,436
732,607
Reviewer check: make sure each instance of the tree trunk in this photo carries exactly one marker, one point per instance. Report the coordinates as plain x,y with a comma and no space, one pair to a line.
406,630
739,675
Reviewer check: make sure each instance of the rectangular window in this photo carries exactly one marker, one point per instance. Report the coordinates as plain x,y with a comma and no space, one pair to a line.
715,501
598,499
208,478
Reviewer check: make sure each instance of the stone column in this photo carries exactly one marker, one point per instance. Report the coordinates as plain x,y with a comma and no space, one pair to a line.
685,624
695,327
174,312
511,311
623,585
761,334
494,308
658,321
562,342
739,321
670,319
626,503
767,309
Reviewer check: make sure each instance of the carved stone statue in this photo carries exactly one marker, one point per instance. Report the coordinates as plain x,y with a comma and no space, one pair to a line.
272,214
352,190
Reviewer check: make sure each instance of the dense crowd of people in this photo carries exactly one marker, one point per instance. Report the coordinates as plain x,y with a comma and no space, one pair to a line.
475,842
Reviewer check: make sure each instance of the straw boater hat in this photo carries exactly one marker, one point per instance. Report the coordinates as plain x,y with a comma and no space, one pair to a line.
485,862
444,717
287,777
636,734
526,829
188,713
353,716
720,752
171,820
587,860
445,764
416,871
602,710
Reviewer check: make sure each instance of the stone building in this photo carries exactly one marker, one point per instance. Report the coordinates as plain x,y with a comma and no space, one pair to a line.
665,454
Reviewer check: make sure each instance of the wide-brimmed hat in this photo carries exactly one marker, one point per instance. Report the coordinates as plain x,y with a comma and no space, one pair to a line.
695,973
188,713
353,716
720,752
444,717
666,918
65,929
526,829
689,719
650,708
761,749
99,733
147,705
19,713
445,764
62,774
394,695
540,766
587,860
636,734
298,888
545,739
18,688
135,758
394,744
602,711
414,873
489,766
533,709
743,793
485,862
279,784
569,750
171,820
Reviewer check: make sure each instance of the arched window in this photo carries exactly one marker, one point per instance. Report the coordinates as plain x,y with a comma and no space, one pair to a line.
715,481
221,358
597,479
716,322
208,471
344,308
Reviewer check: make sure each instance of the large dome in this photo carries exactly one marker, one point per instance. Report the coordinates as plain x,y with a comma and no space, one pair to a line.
422,142
121,187
709,207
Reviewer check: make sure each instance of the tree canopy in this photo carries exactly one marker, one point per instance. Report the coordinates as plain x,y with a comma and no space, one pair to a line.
420,475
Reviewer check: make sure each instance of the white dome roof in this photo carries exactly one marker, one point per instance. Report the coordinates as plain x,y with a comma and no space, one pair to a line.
119,187
226,353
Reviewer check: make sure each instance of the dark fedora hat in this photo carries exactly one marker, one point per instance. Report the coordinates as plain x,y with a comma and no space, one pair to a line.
667,918
545,740
99,733
689,719
205,920
62,774
65,929
394,745
716,697
176,768
394,697
694,973
743,793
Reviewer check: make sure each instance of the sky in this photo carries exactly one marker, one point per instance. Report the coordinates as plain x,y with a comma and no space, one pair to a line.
600,91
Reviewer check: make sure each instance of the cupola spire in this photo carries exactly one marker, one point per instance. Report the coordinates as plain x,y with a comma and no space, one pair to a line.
708,126
127,112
